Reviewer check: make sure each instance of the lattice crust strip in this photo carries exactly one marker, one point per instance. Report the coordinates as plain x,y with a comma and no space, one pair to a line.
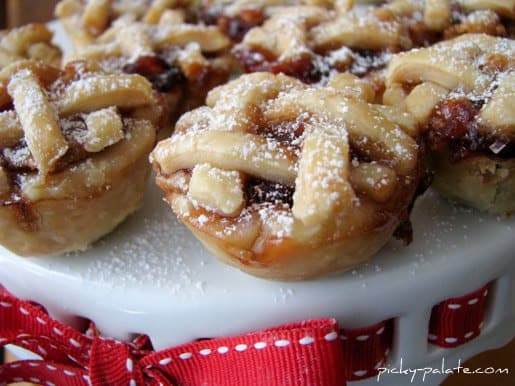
87,20
99,92
326,156
11,130
234,8
286,33
4,182
105,128
229,151
500,110
96,14
316,39
321,171
362,121
38,120
218,189
32,41
133,39
503,7
38,110
477,67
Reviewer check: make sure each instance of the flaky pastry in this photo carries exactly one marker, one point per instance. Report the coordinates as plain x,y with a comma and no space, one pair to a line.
73,154
31,41
312,42
237,17
85,20
462,93
182,61
288,182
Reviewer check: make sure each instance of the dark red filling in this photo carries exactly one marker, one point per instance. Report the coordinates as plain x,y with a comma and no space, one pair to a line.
163,76
310,68
235,27
498,27
421,36
303,68
74,126
454,125
287,133
260,192
367,61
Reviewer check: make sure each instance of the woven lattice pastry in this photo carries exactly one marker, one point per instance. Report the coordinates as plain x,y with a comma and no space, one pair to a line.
182,61
236,18
461,91
402,24
85,20
32,41
311,42
283,44
73,154
289,182
457,17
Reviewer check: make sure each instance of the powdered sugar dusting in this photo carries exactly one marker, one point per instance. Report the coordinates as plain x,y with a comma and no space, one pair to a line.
148,248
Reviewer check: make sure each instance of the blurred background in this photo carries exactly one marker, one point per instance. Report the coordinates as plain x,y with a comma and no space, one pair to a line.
17,12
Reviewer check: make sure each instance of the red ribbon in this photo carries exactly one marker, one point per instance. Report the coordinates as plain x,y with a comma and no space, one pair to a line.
458,320
305,353
314,353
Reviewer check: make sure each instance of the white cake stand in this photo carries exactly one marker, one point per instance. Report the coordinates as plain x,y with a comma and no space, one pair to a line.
152,276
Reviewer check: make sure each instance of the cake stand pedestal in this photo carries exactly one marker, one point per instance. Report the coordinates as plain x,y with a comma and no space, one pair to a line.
151,276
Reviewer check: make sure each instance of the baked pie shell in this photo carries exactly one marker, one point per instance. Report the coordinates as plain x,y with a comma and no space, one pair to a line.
294,261
69,213
482,182
289,259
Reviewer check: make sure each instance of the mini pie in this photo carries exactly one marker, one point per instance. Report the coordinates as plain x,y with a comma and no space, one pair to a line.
313,42
32,41
451,18
236,18
461,92
182,61
429,21
74,146
286,181
85,20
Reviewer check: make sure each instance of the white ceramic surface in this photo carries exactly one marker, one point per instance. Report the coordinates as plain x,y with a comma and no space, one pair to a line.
151,276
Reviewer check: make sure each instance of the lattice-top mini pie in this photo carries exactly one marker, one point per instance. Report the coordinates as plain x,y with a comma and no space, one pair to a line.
236,18
73,154
182,61
427,21
311,42
85,20
32,41
289,182
462,92
451,18
402,24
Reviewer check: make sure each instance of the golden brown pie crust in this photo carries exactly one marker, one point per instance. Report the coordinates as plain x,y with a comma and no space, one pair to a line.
31,41
73,154
302,181
461,93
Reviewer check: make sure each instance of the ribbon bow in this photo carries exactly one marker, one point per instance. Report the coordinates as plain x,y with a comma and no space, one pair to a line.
305,353
314,353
